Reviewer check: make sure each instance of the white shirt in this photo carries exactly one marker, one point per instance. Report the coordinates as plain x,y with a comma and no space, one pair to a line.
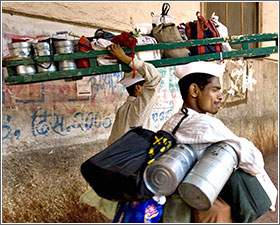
201,130
136,111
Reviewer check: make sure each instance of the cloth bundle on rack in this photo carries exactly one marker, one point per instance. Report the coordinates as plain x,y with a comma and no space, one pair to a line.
200,29
166,31
147,55
102,44
223,31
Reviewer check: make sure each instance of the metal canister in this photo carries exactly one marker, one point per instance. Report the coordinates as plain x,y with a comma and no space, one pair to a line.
67,65
25,70
64,46
20,49
42,48
206,179
164,175
52,68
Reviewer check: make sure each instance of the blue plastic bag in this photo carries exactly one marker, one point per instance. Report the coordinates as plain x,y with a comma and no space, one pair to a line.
138,212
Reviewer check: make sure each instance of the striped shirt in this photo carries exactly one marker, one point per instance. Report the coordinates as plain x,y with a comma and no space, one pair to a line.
136,111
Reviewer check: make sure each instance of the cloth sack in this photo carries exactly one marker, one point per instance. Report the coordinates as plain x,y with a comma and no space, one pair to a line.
168,32
83,46
200,29
116,173
176,210
164,17
246,196
147,55
127,40
102,44
223,31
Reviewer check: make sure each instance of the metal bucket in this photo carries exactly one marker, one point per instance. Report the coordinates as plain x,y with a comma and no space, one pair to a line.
65,46
164,175
204,182
67,65
20,49
52,68
42,48
25,70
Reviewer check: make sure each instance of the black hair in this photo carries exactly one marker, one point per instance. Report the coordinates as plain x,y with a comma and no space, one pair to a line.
130,89
201,79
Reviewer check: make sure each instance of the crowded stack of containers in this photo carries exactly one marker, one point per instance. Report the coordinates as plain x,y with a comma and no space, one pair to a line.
43,48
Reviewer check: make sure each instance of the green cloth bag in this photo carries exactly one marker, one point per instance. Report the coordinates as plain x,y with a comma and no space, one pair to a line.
246,196
176,210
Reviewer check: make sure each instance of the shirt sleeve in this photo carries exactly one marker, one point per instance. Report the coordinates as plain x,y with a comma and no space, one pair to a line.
250,157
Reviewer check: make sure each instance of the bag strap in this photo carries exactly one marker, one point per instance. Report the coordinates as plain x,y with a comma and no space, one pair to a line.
51,56
185,112
202,20
165,9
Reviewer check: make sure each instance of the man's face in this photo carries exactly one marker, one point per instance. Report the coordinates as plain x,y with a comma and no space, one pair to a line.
209,99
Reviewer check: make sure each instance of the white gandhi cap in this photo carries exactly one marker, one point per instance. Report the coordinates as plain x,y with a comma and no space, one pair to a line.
127,79
200,67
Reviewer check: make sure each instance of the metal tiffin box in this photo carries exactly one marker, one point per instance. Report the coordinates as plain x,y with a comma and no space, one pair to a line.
164,175
206,179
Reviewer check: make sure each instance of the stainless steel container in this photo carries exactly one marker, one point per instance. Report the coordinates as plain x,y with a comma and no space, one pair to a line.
42,48
20,49
66,46
206,179
52,68
164,175
25,69
67,65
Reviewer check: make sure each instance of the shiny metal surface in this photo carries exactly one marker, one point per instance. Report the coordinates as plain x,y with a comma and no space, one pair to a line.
65,49
25,69
163,175
67,65
51,69
19,45
42,45
42,48
64,43
20,49
206,179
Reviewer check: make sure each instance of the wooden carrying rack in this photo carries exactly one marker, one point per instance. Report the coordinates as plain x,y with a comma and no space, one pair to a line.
94,69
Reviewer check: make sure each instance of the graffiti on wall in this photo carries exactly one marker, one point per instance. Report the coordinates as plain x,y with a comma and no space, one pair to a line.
8,130
57,110
43,122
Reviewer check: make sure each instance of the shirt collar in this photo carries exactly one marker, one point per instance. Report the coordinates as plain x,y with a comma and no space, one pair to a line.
131,98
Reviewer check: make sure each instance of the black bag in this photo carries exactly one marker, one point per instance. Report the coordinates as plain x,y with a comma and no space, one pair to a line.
116,173
246,196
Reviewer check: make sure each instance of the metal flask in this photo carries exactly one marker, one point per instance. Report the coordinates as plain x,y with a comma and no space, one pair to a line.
164,175
206,179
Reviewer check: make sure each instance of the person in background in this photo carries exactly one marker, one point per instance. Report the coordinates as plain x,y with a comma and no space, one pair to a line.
142,90
200,89
135,111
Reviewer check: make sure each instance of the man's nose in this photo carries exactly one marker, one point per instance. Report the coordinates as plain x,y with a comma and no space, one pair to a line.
220,96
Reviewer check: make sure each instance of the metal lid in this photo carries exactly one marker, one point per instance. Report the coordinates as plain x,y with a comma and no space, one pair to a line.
160,179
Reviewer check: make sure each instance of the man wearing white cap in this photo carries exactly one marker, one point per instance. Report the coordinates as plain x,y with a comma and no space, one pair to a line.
142,89
136,111
200,89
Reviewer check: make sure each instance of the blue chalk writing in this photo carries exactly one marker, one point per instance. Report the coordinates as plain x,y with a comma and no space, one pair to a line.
43,122
8,132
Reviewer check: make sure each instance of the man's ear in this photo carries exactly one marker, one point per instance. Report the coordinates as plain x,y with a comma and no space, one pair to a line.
193,90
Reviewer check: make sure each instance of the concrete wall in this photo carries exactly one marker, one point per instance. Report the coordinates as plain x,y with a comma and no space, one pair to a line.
48,131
